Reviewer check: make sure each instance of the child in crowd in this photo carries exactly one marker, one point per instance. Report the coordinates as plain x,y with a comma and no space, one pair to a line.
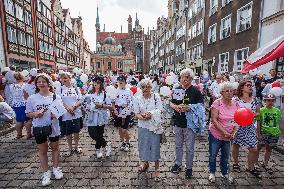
268,128
6,112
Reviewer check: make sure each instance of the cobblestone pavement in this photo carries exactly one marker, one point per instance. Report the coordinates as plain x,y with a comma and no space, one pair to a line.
19,166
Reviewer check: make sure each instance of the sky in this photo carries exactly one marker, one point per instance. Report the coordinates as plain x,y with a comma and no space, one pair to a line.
114,13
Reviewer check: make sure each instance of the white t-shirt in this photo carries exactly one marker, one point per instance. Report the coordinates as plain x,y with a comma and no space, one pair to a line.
94,116
6,110
17,95
142,105
30,88
70,96
38,102
124,97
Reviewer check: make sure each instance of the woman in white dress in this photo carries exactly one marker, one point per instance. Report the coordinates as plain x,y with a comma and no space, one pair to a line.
147,109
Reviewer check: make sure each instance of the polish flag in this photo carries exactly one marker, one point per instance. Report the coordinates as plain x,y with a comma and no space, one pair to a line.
271,51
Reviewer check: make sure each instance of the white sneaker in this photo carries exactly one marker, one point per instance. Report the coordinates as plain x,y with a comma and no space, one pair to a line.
212,178
45,178
127,147
99,154
57,172
108,149
228,177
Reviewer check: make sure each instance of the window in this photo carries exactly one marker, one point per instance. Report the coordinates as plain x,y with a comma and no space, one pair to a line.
30,41
9,7
194,34
98,65
244,15
22,38
48,14
40,26
225,2
212,34
51,49
119,65
189,33
12,34
223,62
19,12
39,5
109,65
199,27
240,58
28,18
225,27
49,32
213,7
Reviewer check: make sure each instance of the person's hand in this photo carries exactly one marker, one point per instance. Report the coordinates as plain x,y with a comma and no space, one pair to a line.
53,116
125,105
227,135
177,108
115,112
258,136
184,108
98,105
70,110
39,114
147,115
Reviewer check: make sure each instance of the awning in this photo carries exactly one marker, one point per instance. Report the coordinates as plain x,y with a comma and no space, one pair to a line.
271,51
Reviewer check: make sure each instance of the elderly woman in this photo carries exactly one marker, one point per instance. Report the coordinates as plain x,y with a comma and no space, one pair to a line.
147,109
246,136
221,131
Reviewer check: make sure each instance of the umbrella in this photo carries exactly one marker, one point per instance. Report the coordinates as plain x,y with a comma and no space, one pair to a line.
269,52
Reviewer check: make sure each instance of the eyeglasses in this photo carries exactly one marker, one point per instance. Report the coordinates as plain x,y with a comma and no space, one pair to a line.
248,85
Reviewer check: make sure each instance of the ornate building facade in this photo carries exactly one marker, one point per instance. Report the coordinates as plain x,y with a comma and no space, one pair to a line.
122,51
41,34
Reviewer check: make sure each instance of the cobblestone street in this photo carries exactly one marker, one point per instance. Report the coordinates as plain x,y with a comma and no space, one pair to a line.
19,167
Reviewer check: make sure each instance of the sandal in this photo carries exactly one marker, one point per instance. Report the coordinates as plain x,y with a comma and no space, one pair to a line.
78,150
236,168
19,136
157,177
143,167
255,173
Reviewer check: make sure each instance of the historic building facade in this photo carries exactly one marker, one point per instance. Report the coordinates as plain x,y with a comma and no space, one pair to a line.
125,51
40,33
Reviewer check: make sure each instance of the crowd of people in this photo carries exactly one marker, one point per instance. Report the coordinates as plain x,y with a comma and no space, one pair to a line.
54,107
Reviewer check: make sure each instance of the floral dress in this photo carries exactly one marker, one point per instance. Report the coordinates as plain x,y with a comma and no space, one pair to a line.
246,136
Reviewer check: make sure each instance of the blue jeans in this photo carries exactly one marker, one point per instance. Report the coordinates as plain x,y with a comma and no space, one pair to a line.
214,146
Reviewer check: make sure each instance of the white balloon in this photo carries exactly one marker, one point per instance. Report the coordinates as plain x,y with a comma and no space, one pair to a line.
127,86
110,88
74,82
80,71
112,92
139,92
75,70
5,69
277,91
84,78
235,85
25,73
33,72
57,84
165,91
232,79
170,80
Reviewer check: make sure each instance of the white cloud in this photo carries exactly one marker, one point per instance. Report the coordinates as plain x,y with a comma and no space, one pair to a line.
114,13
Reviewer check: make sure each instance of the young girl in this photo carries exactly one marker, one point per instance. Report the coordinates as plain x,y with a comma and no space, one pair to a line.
45,126
19,105
71,98
123,109
96,104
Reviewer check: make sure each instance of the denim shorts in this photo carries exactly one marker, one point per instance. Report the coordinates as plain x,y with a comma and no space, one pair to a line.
272,141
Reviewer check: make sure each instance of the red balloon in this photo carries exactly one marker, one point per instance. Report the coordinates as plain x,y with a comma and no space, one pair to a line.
244,117
133,90
276,84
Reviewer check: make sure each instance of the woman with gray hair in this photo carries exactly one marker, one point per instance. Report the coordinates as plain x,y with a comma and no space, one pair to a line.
222,131
147,108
